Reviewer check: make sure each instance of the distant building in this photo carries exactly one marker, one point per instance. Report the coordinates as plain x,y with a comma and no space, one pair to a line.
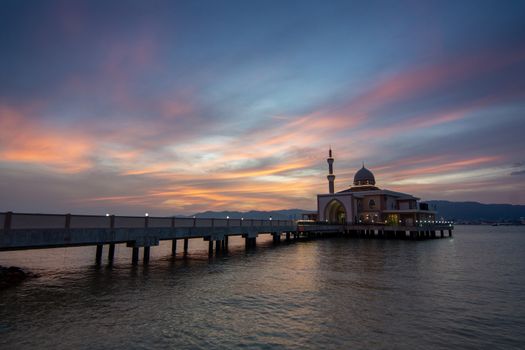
364,202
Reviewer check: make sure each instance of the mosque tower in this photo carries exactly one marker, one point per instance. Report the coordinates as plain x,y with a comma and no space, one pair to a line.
331,176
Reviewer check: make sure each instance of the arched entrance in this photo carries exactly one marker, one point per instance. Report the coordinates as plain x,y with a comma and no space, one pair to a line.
335,212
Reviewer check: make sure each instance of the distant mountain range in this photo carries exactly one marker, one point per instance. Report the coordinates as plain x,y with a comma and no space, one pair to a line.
285,214
477,212
457,211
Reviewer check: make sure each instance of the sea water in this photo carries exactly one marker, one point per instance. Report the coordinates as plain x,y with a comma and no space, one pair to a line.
466,292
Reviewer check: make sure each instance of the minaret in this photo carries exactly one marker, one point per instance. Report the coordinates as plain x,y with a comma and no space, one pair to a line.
331,176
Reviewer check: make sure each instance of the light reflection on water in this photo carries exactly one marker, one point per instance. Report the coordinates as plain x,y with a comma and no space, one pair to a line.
465,292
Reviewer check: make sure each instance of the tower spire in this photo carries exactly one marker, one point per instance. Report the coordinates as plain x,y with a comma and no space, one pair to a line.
331,176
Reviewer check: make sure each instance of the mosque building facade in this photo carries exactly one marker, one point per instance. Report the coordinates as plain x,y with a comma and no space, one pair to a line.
365,203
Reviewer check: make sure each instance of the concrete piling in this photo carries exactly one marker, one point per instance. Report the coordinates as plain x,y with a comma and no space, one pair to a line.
98,256
250,242
111,252
146,255
185,246
135,255
173,247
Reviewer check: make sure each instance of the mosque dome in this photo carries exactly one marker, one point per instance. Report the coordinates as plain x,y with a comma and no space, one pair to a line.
364,177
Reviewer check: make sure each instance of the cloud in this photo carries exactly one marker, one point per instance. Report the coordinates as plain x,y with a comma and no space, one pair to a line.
155,115
25,140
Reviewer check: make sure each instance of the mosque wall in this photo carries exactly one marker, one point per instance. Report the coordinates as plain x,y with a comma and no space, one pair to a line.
345,199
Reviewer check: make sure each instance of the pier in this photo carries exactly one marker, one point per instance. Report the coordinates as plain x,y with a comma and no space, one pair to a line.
22,231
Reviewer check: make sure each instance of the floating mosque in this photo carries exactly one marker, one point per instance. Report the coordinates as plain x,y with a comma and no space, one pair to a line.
365,203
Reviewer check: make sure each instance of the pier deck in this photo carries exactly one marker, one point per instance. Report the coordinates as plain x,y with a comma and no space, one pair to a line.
36,231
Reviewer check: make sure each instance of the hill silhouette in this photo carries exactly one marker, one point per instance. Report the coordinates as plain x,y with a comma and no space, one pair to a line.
458,211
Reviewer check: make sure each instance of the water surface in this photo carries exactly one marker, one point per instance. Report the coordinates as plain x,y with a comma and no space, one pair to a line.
464,293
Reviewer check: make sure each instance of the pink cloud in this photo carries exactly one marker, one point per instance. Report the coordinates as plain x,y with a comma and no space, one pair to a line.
24,140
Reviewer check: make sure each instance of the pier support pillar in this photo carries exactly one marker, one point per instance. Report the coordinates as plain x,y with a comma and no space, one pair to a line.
185,245
217,246
210,247
111,252
250,242
442,234
450,233
98,256
173,247
287,236
135,255
226,239
146,255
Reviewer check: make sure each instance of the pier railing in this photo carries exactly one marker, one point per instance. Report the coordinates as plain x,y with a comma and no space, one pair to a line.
31,231
17,221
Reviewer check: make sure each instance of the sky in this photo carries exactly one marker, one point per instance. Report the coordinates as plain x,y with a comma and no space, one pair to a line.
177,107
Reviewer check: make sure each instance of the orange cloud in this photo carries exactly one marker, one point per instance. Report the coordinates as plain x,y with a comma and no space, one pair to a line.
29,141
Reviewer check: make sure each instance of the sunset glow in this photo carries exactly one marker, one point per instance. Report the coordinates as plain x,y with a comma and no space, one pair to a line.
158,113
